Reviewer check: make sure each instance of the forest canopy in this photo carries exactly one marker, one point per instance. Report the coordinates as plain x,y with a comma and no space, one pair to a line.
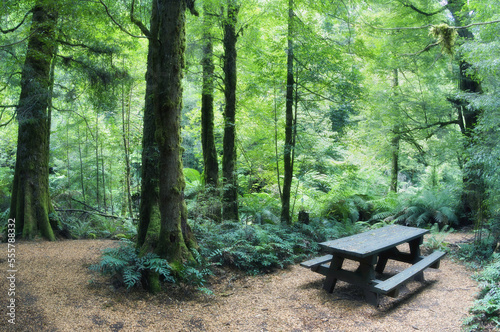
151,120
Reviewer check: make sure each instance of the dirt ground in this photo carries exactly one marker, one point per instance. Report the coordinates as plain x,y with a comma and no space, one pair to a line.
55,291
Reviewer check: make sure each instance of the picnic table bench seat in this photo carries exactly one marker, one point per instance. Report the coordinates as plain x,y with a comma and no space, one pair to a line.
315,263
372,249
390,287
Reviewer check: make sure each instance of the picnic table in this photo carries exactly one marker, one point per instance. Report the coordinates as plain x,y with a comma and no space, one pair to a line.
372,249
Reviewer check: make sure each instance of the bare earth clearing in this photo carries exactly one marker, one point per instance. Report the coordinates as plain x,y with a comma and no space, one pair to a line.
54,293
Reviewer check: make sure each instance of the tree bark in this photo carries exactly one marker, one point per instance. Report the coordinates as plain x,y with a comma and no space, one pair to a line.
289,122
126,147
230,180
167,79
30,204
396,138
163,226
210,163
149,213
473,192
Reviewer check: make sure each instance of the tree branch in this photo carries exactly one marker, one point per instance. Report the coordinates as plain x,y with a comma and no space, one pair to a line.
430,25
3,111
428,47
118,24
89,212
17,27
17,42
138,22
439,124
90,48
410,5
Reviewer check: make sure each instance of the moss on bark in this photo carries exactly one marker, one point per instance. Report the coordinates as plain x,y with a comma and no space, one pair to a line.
30,204
163,227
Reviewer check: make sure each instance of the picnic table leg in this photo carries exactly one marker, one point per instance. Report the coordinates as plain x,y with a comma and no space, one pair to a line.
331,280
382,260
415,250
372,297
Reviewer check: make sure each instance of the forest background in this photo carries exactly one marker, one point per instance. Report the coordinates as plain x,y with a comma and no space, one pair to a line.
300,121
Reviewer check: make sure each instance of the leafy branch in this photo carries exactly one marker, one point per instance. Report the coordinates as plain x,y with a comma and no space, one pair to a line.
18,26
118,24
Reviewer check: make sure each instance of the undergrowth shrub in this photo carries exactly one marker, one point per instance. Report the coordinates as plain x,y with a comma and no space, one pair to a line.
436,239
485,313
353,208
260,248
422,210
90,226
123,264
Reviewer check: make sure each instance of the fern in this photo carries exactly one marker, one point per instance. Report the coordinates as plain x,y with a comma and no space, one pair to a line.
125,265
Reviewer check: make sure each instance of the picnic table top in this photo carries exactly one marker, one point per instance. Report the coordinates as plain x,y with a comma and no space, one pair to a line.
373,241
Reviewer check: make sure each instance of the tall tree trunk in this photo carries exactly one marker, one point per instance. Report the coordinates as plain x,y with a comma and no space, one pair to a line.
396,138
163,224
104,197
82,182
289,121
230,180
149,212
168,106
210,163
97,182
473,185
126,147
30,204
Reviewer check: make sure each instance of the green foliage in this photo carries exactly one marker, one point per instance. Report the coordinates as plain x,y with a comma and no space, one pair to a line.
423,209
194,273
260,248
354,208
93,226
194,182
436,239
259,208
485,313
479,252
123,264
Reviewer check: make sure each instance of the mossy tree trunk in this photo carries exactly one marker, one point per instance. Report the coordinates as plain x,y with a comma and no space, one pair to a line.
289,122
230,180
163,226
210,163
149,213
167,78
473,192
30,204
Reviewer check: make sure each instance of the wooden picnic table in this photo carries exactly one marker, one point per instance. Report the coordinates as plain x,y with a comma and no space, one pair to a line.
372,249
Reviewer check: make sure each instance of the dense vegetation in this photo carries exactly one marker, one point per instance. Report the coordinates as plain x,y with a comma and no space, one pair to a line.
300,121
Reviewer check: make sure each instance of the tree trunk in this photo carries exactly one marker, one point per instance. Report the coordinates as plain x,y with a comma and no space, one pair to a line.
395,159
289,137
396,138
168,106
30,204
126,147
163,224
230,180
210,164
97,182
473,185
149,213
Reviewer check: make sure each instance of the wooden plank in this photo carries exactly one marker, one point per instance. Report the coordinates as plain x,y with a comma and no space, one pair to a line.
391,286
316,261
373,241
